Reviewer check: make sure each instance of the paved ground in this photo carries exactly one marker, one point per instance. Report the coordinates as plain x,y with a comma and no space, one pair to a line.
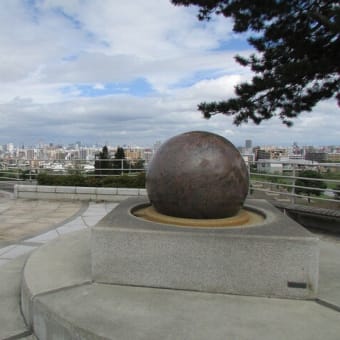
24,227
26,224
23,218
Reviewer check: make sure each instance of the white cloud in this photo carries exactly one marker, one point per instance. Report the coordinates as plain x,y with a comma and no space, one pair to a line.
50,48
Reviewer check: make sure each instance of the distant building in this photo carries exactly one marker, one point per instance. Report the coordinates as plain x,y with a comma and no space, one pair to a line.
295,156
316,156
60,155
278,153
248,158
147,156
30,154
83,152
156,146
262,154
266,165
333,157
133,153
285,164
10,148
249,144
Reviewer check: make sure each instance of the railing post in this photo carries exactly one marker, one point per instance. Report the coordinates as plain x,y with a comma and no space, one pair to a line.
293,184
249,187
30,172
18,170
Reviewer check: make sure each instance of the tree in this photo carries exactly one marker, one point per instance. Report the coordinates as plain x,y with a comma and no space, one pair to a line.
138,165
297,60
310,183
120,162
102,163
120,153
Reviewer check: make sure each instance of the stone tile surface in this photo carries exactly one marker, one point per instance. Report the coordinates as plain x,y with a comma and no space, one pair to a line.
26,224
20,219
143,313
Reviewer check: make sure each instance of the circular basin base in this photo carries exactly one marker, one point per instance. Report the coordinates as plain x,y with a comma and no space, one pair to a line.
244,217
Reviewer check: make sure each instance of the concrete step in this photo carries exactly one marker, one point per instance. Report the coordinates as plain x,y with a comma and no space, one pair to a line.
125,312
12,324
61,302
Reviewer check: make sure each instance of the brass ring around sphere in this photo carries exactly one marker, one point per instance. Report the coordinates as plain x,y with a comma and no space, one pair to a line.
149,213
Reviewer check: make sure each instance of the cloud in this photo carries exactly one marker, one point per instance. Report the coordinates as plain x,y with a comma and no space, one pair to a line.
128,72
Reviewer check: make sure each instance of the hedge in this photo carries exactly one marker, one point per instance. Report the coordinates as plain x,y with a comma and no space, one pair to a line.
123,181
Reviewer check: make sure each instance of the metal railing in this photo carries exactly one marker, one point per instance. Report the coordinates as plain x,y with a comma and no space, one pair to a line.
281,180
29,170
288,183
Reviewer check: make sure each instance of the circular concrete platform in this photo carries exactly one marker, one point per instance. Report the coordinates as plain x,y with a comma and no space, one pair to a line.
60,301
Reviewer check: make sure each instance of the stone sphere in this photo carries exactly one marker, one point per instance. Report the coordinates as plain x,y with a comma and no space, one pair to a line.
197,175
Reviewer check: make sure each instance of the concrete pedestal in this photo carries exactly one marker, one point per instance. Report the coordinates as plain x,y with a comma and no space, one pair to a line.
276,258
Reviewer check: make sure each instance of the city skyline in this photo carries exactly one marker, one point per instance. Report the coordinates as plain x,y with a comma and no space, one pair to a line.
81,145
128,73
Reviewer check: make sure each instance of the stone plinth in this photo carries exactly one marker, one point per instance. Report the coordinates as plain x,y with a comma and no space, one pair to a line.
277,258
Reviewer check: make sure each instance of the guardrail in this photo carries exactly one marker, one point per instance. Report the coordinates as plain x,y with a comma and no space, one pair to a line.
281,180
291,183
18,170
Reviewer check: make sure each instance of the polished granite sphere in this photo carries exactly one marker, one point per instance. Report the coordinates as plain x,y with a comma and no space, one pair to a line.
197,175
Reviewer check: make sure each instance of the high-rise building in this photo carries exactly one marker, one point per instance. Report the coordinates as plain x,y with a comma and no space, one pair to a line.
262,154
10,147
249,144
156,146
83,153
30,154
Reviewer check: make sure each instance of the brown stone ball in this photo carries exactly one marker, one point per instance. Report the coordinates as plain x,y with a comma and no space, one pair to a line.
197,175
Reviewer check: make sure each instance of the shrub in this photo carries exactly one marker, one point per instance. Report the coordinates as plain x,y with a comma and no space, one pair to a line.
123,181
309,181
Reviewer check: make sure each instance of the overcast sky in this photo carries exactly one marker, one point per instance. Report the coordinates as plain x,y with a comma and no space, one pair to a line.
127,72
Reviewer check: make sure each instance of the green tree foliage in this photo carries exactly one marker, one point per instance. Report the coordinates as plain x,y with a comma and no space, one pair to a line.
120,161
309,181
297,60
139,164
120,153
102,163
124,181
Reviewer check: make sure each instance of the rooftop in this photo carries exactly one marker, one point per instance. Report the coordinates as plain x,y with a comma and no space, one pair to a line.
60,230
